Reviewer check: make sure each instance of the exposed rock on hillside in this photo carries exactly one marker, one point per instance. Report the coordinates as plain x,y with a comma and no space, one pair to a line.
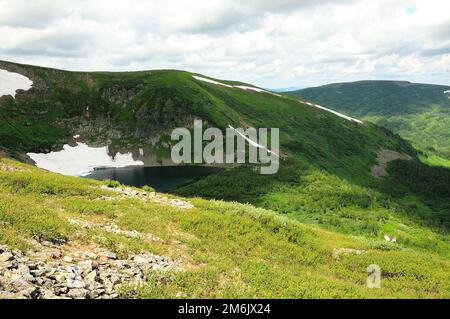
57,272
383,158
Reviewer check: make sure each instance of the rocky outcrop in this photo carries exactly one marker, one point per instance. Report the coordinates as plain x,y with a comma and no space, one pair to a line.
383,158
117,94
56,273
154,197
114,229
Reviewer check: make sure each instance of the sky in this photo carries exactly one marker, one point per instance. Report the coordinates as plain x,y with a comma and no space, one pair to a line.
272,44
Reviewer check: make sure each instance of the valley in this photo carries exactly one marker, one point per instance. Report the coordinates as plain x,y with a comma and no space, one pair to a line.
344,185
418,112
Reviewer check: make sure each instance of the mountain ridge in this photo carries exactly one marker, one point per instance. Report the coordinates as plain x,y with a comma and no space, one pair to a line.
311,230
418,112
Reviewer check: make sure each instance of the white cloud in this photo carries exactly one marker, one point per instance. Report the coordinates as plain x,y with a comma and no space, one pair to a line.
268,43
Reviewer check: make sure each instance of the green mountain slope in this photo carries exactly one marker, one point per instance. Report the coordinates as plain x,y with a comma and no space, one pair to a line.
325,182
141,108
418,112
137,106
223,250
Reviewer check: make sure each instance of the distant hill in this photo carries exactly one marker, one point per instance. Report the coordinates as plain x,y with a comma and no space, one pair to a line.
418,112
287,89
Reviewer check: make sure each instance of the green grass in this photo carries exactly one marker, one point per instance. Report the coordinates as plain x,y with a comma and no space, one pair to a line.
420,113
139,106
435,160
279,240
406,205
229,250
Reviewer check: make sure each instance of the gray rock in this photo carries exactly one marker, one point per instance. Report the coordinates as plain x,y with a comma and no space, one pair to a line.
86,267
115,279
97,275
96,293
23,269
60,278
7,265
24,272
122,264
6,256
48,294
15,280
50,272
40,272
75,284
61,290
91,277
110,255
68,259
78,293
9,295
30,292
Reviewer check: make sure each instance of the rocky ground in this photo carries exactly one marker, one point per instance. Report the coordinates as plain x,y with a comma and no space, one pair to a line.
383,158
88,272
142,195
77,271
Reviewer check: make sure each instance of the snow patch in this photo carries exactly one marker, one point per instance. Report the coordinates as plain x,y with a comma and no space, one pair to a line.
11,82
81,160
447,93
211,81
253,143
336,113
242,87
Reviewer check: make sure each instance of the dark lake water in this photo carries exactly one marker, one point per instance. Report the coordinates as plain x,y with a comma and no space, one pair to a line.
160,178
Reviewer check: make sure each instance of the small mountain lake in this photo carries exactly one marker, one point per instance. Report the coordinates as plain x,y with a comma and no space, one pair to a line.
162,179
133,167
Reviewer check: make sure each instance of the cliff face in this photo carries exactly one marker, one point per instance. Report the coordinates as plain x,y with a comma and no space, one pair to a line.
100,108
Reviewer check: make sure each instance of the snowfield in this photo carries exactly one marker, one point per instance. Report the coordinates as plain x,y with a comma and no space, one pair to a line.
10,82
81,160
336,113
242,87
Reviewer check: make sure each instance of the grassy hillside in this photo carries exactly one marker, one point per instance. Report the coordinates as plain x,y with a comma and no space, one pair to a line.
420,113
224,249
133,108
413,195
324,178
309,231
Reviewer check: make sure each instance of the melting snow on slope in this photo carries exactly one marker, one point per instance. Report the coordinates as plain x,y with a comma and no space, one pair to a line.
253,143
10,82
447,93
211,81
336,113
242,87
81,160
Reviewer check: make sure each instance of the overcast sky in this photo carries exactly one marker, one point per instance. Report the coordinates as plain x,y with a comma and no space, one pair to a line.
276,43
